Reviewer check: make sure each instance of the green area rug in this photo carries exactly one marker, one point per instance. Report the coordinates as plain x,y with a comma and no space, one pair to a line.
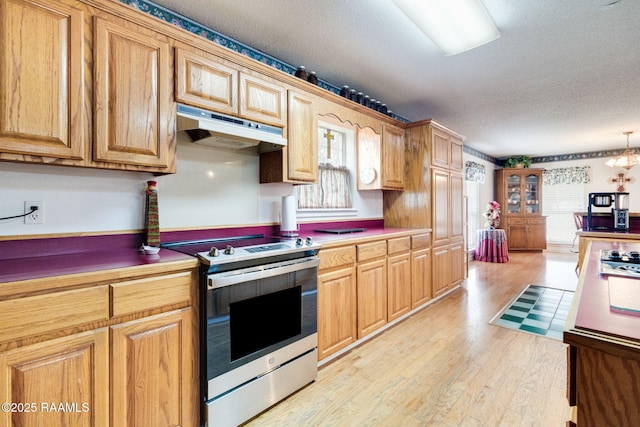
537,310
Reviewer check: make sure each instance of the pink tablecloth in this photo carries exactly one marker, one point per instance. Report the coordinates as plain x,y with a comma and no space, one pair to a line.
491,246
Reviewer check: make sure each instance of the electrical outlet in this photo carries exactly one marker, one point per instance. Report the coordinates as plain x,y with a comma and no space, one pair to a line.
35,217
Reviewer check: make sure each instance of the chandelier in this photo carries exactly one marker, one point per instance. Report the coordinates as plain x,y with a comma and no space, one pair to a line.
625,160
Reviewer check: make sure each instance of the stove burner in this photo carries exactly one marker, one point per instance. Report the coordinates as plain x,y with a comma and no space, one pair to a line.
620,263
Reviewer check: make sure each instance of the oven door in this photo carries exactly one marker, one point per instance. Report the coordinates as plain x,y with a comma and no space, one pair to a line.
253,313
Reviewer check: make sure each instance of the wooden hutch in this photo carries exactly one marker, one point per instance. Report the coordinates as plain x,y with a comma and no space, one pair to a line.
519,192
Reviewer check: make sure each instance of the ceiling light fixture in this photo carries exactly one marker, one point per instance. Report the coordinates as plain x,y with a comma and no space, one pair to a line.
626,160
454,26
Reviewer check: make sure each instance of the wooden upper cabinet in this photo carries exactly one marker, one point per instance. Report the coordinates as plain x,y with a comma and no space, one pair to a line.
456,163
206,82
446,150
262,100
369,149
439,148
302,144
210,82
380,159
133,108
392,157
42,79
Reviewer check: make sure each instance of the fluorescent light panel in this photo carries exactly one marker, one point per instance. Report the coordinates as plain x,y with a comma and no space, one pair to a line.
454,26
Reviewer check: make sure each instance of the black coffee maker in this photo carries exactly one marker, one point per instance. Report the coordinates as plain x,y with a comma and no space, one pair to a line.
619,211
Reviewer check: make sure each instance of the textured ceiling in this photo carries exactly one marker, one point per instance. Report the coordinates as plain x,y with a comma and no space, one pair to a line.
564,77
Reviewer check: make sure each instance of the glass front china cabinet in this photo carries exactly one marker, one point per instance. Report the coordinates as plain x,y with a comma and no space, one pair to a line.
519,192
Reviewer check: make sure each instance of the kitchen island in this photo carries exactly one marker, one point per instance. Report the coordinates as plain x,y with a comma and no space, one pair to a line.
604,347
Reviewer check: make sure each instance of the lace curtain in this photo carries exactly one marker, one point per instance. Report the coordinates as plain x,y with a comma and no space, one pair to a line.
331,192
474,172
572,175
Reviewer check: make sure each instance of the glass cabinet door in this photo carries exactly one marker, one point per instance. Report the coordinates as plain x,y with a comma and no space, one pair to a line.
513,194
532,194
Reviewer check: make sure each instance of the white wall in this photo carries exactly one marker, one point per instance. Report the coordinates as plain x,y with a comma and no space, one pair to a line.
212,188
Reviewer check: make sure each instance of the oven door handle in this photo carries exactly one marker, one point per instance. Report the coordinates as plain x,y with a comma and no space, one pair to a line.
228,278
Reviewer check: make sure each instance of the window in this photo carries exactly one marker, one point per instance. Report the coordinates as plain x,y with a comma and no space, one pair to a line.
559,202
473,212
562,195
333,190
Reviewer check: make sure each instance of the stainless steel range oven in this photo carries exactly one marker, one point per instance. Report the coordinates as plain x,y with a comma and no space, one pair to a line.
258,323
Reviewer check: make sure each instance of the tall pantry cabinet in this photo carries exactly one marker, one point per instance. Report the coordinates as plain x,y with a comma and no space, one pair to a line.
433,197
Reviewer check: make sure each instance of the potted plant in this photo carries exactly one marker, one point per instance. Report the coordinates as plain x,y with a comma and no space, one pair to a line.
517,162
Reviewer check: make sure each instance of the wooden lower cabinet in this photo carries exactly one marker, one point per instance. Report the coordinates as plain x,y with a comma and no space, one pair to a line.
152,371
60,382
372,296
448,267
398,285
117,353
337,310
527,234
420,277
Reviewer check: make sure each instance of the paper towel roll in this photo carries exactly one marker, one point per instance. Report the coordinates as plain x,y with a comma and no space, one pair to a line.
288,224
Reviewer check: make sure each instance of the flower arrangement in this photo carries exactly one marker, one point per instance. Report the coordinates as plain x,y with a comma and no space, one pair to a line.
493,214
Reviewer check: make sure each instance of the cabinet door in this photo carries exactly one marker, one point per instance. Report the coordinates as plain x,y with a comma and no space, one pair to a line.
440,148
537,234
153,371
133,108
398,285
457,263
206,83
514,193
392,157
456,207
262,100
456,162
42,79
71,371
420,277
517,236
336,311
302,144
441,270
372,296
531,194
440,202
369,149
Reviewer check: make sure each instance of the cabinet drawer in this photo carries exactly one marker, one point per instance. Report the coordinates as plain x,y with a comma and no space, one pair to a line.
58,310
536,221
401,244
517,221
420,241
152,292
372,250
337,257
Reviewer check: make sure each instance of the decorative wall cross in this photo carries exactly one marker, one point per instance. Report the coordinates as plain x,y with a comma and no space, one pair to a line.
329,137
620,181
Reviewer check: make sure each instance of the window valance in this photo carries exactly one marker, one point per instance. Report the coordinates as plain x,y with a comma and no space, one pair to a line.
474,172
571,175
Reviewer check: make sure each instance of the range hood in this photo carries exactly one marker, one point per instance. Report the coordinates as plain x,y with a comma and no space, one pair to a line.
222,131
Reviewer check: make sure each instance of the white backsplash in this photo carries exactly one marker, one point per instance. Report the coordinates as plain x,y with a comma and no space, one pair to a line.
212,188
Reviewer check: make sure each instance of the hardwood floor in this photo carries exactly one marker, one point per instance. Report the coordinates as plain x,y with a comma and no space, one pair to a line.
446,365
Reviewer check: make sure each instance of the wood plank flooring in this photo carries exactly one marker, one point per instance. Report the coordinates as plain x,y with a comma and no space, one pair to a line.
446,365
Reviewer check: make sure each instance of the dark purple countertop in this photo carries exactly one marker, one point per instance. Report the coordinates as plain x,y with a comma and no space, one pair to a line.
25,259
18,269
